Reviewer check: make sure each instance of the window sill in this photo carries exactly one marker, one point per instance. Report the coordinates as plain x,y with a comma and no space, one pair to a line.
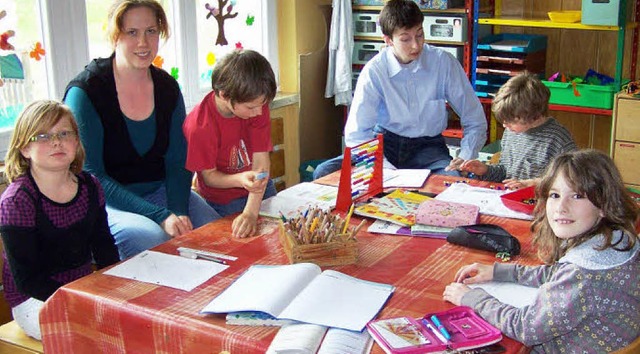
283,99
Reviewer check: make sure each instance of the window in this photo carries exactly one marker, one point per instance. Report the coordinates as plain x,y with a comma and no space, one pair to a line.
18,69
72,32
100,47
248,28
195,28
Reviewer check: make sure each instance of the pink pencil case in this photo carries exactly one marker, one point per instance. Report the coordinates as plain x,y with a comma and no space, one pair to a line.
446,214
405,335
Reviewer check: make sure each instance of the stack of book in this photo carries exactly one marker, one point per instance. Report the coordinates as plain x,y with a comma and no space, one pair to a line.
398,207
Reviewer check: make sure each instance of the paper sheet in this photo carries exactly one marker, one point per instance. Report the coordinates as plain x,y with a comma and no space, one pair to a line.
167,270
510,293
487,199
404,178
298,198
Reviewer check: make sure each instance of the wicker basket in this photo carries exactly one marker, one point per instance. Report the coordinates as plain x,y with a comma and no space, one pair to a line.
337,252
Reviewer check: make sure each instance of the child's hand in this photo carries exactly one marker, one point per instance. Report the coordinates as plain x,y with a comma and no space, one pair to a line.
251,183
512,183
474,273
244,225
176,225
454,165
474,166
454,293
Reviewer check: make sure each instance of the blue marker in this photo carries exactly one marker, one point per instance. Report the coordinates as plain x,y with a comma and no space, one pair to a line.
443,330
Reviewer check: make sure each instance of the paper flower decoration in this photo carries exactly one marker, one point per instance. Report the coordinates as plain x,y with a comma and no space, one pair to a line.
37,52
158,61
211,59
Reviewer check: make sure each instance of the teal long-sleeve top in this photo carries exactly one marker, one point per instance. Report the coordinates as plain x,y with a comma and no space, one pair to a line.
142,133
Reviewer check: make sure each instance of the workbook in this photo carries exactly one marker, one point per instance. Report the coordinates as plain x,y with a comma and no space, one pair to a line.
306,338
403,178
389,228
398,207
302,292
298,198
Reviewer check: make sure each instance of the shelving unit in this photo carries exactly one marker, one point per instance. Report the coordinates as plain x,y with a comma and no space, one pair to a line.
466,45
497,20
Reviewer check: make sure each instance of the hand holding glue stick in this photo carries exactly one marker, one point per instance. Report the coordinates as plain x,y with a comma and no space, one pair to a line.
261,175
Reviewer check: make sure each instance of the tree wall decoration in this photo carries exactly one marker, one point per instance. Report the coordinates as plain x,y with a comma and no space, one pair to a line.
220,16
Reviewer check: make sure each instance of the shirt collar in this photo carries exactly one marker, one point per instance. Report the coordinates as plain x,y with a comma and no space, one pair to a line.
394,67
585,256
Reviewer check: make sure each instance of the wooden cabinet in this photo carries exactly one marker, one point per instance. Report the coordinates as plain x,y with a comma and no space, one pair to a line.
285,156
626,136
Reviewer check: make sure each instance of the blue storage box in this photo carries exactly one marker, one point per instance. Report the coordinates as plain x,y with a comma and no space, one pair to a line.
514,42
600,12
488,85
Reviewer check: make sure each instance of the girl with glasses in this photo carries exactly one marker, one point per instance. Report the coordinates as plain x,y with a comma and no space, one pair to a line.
52,215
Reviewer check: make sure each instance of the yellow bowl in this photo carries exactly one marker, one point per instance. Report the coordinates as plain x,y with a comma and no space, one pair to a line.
565,16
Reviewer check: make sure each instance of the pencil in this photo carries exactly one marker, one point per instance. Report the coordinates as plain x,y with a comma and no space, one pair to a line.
346,222
314,224
355,231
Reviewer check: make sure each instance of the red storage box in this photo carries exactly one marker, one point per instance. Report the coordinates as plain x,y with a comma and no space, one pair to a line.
521,200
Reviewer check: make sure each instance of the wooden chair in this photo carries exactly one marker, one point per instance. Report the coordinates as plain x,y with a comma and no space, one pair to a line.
631,348
495,158
13,340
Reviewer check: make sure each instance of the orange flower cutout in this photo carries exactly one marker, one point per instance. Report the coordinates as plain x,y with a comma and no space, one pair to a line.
158,61
37,52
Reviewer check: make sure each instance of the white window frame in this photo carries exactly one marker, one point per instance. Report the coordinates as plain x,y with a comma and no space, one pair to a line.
185,12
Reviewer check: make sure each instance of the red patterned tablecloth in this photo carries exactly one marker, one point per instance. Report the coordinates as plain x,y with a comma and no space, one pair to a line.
107,314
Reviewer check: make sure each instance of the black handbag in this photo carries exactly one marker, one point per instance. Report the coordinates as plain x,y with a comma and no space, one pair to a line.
486,237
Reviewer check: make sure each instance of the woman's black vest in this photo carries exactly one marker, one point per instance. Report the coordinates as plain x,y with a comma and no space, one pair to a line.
121,160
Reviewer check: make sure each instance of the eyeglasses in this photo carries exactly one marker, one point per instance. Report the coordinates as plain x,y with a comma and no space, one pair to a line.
61,136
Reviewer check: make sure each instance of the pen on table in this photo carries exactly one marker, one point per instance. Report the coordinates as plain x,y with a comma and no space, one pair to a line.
435,331
196,256
438,324
207,253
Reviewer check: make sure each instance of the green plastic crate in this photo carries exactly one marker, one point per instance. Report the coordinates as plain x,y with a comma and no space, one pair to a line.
595,96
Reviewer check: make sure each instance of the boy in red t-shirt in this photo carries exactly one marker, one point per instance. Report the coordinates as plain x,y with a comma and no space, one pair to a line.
229,138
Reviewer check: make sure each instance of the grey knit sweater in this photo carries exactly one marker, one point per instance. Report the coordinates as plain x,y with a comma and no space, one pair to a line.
525,155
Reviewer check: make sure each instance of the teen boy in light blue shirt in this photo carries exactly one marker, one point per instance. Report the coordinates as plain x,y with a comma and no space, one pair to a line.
402,93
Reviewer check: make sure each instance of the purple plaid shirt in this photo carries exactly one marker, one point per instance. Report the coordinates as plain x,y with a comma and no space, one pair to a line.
18,210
